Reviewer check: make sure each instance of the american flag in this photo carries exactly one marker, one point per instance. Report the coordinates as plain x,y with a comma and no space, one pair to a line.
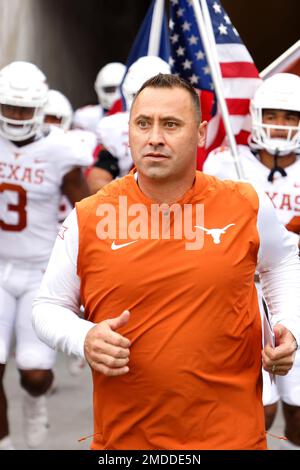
239,75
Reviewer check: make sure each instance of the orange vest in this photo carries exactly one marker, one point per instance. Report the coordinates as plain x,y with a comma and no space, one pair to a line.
195,329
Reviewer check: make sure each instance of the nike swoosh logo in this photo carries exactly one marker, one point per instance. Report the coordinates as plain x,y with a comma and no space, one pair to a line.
117,247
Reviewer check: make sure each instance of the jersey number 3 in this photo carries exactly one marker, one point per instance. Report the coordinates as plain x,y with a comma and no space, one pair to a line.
19,207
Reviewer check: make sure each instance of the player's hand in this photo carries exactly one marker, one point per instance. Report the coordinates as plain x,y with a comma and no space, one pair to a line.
106,350
279,360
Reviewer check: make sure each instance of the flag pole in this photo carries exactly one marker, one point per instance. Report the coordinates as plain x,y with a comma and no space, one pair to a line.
157,18
211,55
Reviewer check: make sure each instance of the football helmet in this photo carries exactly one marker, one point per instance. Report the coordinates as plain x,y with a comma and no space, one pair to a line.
280,92
140,71
107,84
59,107
22,85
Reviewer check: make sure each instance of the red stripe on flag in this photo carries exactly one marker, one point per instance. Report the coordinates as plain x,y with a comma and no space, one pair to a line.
238,70
242,137
238,106
206,102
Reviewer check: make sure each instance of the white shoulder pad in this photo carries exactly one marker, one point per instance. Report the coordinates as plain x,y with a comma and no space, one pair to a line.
69,150
88,117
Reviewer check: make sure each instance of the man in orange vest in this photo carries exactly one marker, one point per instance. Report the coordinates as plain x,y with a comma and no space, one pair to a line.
163,261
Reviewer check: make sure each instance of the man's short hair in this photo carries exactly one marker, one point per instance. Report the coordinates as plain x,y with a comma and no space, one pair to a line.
167,80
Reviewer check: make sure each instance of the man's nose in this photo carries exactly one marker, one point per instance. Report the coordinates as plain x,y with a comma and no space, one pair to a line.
156,136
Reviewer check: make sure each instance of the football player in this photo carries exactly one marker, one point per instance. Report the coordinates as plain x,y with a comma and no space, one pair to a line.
271,161
37,165
58,110
107,87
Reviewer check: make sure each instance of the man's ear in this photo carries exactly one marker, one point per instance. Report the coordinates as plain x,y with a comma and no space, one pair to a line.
202,134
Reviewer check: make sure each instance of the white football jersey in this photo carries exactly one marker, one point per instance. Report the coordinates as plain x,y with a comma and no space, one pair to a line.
112,132
284,191
88,117
30,180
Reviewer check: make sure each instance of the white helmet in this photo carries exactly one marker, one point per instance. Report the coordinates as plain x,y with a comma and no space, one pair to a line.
59,107
139,72
282,92
22,84
107,84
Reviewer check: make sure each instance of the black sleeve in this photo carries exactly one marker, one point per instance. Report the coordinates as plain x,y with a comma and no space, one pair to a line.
108,162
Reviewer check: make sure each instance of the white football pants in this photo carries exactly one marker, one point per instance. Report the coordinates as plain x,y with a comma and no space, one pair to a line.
18,288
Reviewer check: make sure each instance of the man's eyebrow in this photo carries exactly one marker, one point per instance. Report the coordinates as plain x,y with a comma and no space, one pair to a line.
163,118
171,118
142,116
294,113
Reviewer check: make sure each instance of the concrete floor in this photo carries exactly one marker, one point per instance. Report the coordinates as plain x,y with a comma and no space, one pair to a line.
70,410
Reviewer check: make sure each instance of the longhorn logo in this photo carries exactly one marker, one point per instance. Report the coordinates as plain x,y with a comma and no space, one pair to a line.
215,232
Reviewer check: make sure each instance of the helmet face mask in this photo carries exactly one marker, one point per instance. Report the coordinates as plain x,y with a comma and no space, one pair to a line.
107,84
19,128
23,94
54,120
279,93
